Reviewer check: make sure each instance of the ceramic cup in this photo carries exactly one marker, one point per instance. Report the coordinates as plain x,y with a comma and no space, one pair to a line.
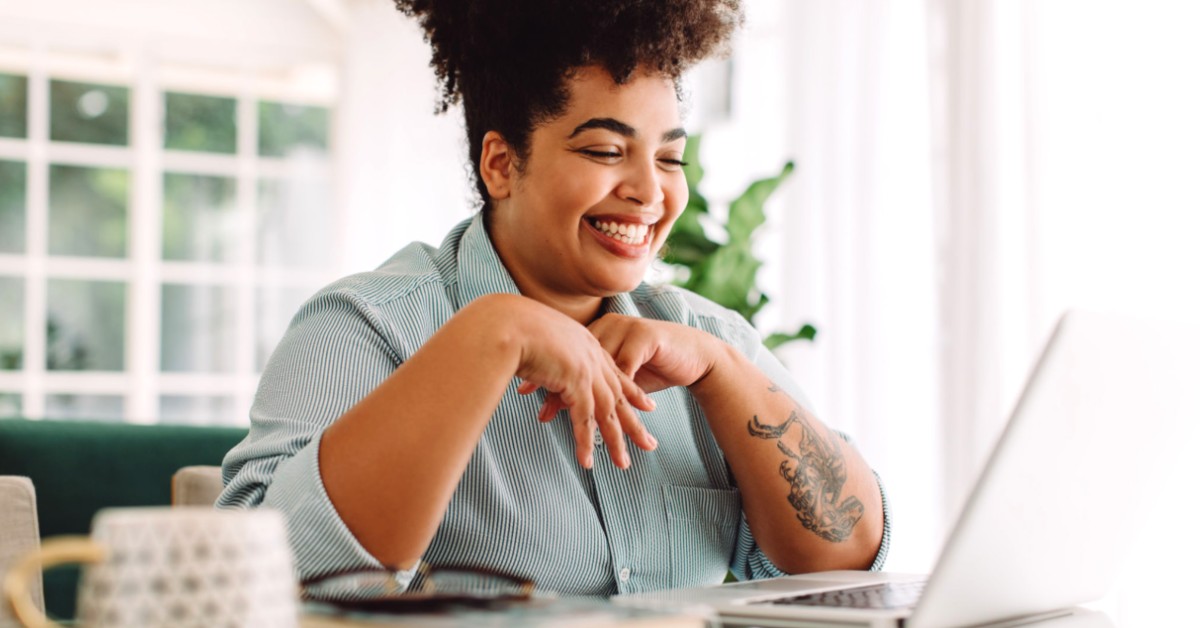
178,567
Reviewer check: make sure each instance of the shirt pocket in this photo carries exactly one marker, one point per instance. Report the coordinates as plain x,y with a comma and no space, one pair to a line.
702,525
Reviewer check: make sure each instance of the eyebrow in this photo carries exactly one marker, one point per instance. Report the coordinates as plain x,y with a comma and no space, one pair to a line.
620,128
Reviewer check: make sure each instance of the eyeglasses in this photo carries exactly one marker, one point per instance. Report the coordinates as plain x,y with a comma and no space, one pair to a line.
433,587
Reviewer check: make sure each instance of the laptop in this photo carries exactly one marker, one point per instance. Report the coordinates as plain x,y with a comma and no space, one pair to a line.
1044,526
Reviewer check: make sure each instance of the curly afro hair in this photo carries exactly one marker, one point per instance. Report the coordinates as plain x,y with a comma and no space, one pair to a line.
507,61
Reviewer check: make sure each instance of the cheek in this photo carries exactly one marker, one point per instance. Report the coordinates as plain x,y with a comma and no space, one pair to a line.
566,195
675,199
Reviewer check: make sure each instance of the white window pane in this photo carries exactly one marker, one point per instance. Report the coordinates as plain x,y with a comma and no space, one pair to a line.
197,410
85,407
10,405
88,112
14,91
199,222
88,211
12,206
12,323
198,328
285,129
85,325
200,123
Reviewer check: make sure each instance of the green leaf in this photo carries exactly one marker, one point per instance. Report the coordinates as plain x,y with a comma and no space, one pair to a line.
725,273
696,202
693,171
688,245
728,278
746,212
778,339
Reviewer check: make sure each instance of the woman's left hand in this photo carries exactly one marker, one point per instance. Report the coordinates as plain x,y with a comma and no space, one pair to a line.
656,354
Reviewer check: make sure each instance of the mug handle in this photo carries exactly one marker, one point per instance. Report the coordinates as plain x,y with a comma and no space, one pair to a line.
67,549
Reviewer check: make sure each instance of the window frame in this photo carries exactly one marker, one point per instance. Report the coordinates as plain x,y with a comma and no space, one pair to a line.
149,75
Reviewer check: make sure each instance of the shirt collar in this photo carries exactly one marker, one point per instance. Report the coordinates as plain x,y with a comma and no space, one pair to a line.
480,270
621,303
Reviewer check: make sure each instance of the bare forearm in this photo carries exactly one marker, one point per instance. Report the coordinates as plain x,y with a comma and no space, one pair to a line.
810,498
392,462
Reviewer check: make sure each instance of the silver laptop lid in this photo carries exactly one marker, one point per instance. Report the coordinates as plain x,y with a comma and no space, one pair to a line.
1065,483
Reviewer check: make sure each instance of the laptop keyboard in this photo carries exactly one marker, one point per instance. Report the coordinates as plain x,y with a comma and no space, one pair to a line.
885,596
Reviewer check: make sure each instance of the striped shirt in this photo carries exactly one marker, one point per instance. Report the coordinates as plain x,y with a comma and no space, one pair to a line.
524,505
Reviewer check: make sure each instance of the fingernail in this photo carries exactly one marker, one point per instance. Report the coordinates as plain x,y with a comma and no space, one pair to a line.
653,441
587,462
651,400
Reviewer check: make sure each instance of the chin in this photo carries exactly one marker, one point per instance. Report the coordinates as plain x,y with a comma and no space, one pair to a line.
628,286
609,281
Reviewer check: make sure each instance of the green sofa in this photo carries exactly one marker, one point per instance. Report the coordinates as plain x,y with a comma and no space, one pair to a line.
78,468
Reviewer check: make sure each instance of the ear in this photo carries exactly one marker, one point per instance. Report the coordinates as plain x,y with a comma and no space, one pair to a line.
496,166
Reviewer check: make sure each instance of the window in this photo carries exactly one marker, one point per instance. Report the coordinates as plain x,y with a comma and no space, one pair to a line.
158,229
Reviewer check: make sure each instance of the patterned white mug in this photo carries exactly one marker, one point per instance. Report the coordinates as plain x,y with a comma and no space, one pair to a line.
178,567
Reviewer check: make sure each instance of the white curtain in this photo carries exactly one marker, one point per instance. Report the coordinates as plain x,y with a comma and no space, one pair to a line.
842,88
967,169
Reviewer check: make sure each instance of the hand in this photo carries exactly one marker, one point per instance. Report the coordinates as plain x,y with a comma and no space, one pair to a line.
559,355
657,354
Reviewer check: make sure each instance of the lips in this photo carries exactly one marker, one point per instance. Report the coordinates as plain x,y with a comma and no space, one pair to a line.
627,239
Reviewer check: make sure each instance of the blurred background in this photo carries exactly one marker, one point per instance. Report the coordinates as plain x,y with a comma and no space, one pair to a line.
177,176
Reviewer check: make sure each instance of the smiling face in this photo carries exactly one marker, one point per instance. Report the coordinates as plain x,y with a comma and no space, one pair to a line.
594,202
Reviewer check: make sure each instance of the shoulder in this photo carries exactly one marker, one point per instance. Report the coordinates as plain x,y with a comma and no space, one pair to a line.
416,272
405,299
409,271
675,304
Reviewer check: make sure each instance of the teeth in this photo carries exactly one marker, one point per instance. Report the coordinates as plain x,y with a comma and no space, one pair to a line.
624,232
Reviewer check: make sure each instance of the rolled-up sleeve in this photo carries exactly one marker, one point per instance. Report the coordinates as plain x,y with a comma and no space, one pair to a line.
334,353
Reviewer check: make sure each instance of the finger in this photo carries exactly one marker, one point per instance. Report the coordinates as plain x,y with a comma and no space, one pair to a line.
610,424
581,417
527,387
631,424
636,395
619,342
606,334
550,407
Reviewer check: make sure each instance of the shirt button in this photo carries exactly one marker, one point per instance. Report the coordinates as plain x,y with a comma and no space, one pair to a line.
624,575
597,438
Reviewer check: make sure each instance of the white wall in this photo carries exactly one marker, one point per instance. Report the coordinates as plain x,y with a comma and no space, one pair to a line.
290,27
403,168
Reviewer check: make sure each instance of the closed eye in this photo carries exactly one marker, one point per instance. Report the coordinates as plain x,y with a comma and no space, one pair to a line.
599,154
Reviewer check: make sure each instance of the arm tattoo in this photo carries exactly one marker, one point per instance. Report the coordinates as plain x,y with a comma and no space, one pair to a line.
816,473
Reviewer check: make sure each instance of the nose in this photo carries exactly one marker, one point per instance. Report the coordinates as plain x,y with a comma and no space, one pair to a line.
641,183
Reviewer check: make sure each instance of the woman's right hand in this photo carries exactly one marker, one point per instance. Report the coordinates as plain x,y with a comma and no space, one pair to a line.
563,357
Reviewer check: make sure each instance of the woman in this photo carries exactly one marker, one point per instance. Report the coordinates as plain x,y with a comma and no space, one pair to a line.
395,422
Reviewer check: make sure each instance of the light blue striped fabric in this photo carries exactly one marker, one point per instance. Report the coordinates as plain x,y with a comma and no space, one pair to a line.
524,505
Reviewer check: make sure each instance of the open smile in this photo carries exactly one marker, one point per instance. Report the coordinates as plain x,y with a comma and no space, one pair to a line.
626,239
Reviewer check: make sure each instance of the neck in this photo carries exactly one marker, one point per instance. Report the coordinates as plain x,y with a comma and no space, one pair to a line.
583,309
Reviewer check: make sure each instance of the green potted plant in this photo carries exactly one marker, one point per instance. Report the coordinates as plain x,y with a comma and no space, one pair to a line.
725,272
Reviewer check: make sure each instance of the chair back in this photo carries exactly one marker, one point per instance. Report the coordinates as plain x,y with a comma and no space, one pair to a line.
196,485
18,535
